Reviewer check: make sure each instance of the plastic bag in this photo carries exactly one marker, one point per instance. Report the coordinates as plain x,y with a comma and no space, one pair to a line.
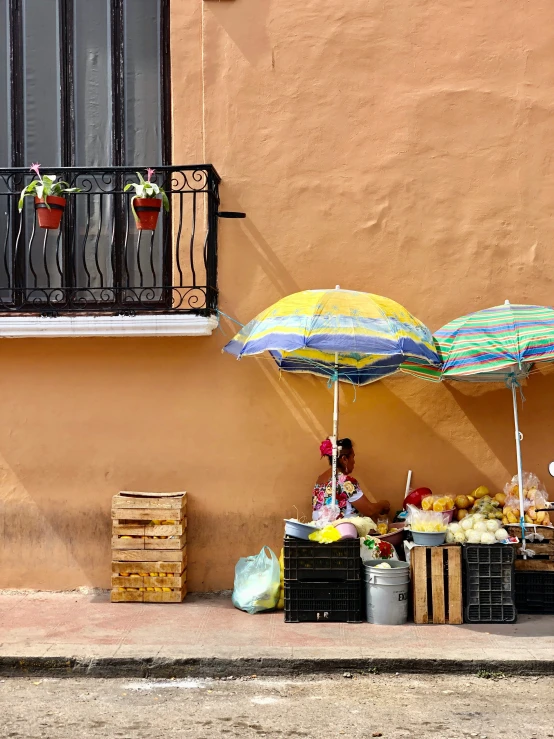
534,496
281,603
257,582
426,521
327,535
370,549
327,514
437,503
363,524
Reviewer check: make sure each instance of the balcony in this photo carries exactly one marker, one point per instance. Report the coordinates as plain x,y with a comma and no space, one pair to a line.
99,275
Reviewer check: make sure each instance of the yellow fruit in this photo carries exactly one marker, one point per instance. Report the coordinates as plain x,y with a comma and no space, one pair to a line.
439,505
462,513
150,590
157,590
528,519
505,520
480,492
125,537
501,498
512,518
123,574
449,502
540,516
155,523
166,590
532,513
462,501
168,523
427,503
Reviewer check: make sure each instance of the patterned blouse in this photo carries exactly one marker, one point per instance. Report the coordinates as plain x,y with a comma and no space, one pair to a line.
348,490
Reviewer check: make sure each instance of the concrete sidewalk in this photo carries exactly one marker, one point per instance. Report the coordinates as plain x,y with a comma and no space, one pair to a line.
80,633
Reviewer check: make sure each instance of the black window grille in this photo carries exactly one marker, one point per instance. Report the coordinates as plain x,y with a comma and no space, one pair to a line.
98,260
87,85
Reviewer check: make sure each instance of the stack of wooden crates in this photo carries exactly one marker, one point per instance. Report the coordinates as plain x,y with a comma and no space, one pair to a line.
149,554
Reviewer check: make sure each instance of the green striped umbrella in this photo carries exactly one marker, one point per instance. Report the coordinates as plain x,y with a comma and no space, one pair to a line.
499,344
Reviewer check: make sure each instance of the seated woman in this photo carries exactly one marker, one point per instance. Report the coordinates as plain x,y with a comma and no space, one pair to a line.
350,498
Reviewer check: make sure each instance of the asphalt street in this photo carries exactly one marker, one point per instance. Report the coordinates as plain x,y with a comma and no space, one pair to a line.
403,707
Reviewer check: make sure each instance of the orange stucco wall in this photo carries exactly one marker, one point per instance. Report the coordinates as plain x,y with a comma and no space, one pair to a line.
402,148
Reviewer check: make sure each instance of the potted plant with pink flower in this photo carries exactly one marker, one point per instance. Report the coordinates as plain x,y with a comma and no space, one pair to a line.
147,201
49,203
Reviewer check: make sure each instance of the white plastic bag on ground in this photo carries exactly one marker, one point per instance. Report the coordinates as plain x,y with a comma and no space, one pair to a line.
257,582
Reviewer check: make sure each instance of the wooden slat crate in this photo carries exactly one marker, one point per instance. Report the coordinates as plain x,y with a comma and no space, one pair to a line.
145,568
154,581
135,595
437,584
149,542
543,560
149,556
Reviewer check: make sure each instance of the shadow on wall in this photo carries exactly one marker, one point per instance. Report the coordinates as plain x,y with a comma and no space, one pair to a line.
254,256
245,21
490,410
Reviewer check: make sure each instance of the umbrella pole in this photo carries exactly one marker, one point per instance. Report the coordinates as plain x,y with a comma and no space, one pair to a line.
519,436
334,438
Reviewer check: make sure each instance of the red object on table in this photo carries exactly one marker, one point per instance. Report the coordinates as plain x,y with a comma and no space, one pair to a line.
416,496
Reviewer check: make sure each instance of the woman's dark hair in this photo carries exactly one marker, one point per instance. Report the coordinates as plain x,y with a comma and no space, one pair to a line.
345,447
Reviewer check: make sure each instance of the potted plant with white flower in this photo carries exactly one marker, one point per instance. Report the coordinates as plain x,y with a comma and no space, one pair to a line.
49,203
147,201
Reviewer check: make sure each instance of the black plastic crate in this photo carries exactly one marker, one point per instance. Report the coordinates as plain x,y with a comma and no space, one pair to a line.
312,562
321,601
489,584
535,592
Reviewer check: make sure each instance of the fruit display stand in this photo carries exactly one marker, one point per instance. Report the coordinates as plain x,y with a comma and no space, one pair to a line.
149,555
437,584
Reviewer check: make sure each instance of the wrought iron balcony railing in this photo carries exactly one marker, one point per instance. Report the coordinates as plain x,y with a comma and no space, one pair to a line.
98,261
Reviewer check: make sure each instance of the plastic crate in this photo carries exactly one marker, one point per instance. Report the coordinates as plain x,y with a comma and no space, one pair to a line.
313,562
489,584
321,601
535,592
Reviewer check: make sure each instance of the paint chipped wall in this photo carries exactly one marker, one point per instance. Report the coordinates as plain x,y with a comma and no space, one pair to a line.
400,148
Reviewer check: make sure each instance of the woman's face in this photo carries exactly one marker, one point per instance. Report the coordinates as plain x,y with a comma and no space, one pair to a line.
347,462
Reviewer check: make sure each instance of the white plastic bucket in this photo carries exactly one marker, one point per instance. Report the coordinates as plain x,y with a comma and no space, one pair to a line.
387,592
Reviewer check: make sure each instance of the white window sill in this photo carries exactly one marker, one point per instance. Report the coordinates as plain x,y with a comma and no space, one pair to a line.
18,326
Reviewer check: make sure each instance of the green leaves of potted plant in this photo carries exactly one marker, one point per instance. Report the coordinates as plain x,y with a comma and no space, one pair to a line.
147,201
49,204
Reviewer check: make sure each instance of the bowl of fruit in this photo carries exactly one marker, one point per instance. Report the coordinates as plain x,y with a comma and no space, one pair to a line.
395,534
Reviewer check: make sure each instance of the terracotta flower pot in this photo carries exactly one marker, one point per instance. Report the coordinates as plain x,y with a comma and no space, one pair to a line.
147,210
52,216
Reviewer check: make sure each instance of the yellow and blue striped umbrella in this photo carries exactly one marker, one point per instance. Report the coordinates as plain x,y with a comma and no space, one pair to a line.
373,336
